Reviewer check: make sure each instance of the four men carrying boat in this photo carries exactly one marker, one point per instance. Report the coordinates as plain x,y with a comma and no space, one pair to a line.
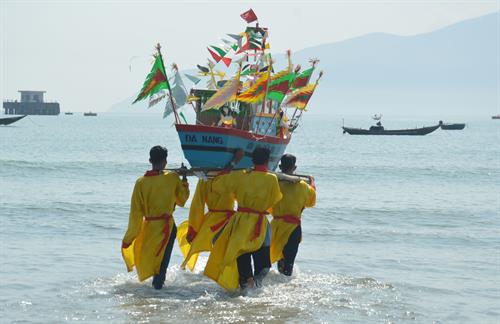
252,106
234,238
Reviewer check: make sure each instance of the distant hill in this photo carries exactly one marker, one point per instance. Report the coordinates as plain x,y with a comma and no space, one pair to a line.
452,70
449,71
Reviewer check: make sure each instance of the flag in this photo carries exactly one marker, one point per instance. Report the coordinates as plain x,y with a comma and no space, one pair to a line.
257,91
249,16
156,99
224,94
155,81
279,85
192,78
219,50
232,45
203,68
235,37
300,97
179,94
302,79
183,117
217,57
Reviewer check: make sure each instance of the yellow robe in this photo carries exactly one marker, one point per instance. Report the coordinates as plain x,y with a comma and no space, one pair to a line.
296,196
205,225
153,196
256,190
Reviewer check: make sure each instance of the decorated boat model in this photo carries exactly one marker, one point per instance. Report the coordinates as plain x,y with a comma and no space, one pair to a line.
378,129
244,105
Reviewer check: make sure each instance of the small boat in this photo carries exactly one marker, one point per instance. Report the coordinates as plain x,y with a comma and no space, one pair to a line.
10,120
458,126
68,113
90,113
378,129
495,117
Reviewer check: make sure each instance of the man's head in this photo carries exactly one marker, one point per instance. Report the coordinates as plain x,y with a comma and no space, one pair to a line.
287,164
260,155
158,156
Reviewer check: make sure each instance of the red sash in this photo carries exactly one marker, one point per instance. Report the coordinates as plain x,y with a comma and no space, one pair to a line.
229,214
166,228
258,225
292,219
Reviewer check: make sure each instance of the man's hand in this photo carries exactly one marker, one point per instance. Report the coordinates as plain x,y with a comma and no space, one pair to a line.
183,172
311,182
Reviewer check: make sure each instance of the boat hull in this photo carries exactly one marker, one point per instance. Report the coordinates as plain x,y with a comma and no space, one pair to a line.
214,147
10,120
410,132
452,126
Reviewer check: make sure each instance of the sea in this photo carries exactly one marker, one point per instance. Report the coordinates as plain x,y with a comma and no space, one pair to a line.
406,228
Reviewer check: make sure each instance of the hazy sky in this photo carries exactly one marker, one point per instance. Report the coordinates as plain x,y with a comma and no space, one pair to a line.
80,51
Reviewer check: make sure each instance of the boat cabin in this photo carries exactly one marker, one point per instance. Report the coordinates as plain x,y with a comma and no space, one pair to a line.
249,117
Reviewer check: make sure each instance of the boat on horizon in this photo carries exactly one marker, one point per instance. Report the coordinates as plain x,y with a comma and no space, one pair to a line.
248,93
456,126
68,113
378,129
495,117
10,120
90,113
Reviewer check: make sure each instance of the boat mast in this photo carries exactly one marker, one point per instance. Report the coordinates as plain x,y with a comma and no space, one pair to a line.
174,108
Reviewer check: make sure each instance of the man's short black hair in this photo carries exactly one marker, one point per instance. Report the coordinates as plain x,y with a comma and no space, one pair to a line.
287,162
260,155
158,154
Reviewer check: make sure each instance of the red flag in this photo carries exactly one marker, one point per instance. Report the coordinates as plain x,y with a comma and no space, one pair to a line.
216,57
249,16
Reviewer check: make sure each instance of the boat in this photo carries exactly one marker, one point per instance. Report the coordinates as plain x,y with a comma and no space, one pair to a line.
10,120
378,129
68,113
90,113
248,93
495,117
457,126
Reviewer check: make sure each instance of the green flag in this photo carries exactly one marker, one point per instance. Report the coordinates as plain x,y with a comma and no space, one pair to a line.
279,86
302,79
155,81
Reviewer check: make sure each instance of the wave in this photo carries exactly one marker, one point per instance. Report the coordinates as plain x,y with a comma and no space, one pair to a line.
191,297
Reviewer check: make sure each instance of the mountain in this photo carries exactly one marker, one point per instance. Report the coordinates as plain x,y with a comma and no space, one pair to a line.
449,71
453,70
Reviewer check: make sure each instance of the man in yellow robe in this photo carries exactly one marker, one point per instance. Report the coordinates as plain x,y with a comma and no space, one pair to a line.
286,232
150,236
245,236
202,226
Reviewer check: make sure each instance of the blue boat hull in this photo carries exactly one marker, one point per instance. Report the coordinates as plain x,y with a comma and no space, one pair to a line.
214,147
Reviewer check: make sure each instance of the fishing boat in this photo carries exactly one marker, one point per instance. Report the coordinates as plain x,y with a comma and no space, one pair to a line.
495,117
243,106
68,113
457,126
378,129
92,114
10,120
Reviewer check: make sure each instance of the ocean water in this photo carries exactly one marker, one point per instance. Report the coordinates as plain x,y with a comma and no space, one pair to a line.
406,229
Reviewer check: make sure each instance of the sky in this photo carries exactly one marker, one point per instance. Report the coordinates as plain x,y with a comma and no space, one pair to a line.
89,55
